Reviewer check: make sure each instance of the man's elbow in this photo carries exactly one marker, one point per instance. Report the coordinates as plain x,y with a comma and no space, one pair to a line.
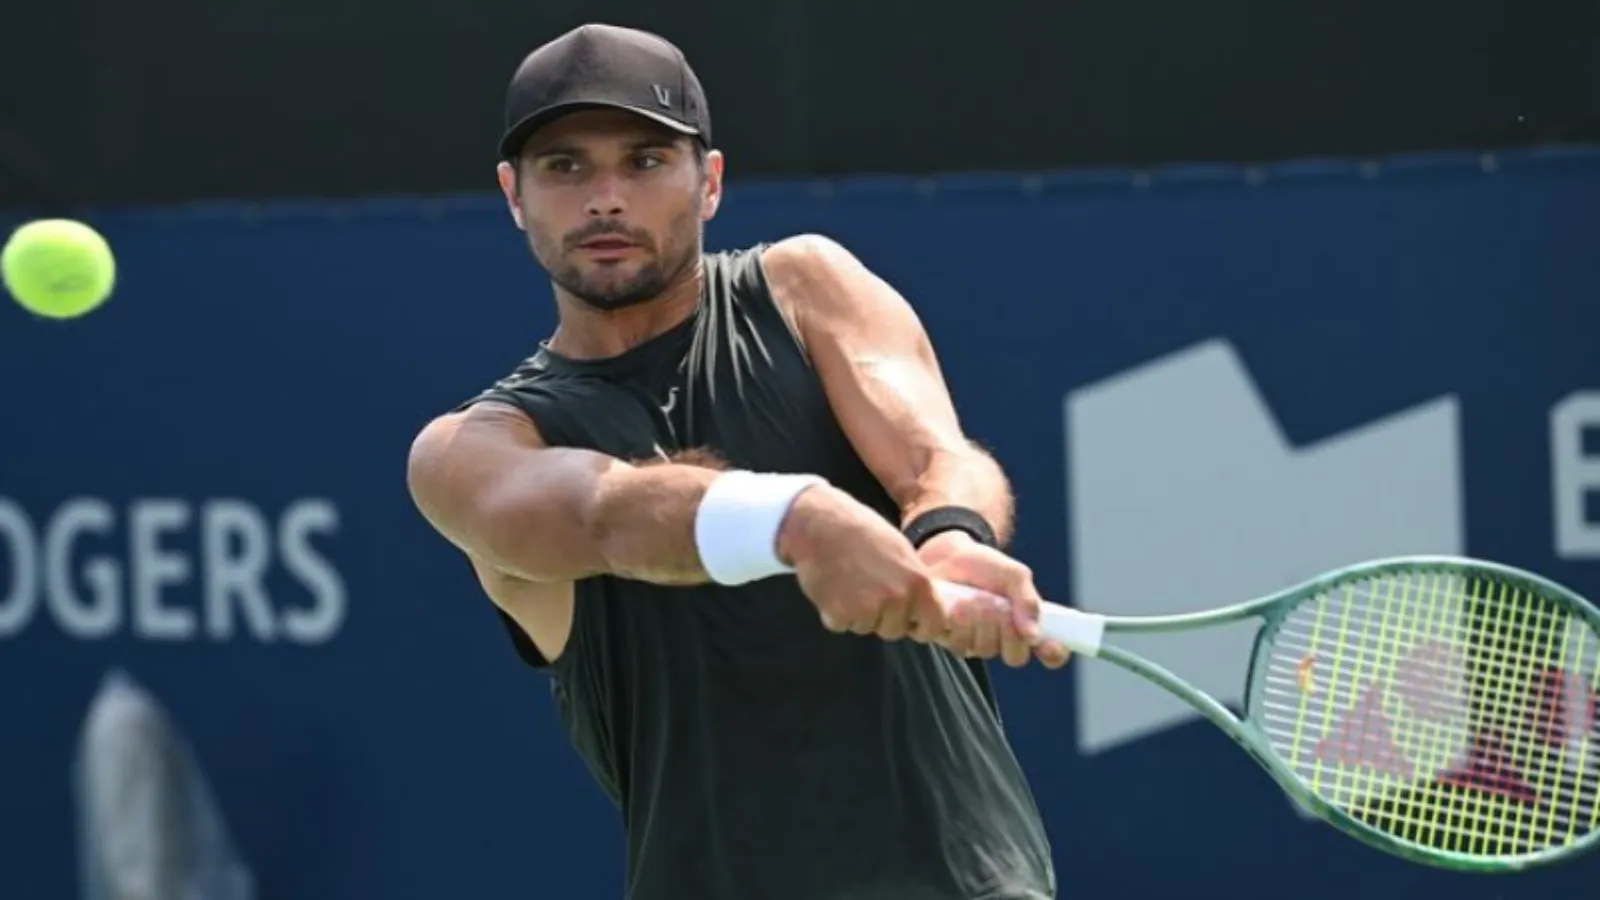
426,468
461,508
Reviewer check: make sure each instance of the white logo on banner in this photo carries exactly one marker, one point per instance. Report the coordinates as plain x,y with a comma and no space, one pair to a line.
1575,473
172,570
1184,494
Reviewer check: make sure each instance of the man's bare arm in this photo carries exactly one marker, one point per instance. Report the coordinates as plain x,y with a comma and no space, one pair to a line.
488,482
546,515
884,383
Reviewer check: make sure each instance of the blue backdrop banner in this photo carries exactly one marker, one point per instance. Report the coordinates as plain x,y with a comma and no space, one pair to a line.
1206,382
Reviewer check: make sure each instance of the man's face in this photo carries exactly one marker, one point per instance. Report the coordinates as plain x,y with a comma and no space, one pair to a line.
612,204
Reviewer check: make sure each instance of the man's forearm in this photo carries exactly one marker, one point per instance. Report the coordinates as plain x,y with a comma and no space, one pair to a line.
641,522
688,524
486,480
972,479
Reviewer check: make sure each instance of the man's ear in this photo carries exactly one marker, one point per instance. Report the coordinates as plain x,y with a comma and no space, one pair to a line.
712,185
506,173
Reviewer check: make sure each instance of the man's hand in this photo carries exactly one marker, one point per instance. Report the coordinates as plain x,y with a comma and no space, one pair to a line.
860,572
974,626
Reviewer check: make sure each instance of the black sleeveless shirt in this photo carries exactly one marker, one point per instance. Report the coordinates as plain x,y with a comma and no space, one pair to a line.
753,754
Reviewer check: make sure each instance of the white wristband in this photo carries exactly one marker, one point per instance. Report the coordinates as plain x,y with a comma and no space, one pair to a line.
736,525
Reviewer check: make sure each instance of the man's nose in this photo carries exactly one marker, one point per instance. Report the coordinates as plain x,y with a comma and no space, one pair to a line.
607,200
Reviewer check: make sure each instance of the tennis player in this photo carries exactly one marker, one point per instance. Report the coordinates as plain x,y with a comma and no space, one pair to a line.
713,506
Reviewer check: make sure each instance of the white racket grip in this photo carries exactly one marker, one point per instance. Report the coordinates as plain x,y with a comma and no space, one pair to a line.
1078,631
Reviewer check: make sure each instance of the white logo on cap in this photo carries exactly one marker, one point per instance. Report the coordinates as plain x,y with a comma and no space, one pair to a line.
663,96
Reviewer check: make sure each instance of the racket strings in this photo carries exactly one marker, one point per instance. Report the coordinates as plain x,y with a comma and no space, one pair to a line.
1453,713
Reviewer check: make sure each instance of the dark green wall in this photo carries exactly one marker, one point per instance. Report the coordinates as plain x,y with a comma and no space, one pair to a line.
112,101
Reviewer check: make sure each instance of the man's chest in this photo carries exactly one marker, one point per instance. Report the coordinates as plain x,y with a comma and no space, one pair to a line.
762,419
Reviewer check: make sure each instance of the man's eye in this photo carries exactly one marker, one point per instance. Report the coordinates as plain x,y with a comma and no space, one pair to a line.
562,165
647,162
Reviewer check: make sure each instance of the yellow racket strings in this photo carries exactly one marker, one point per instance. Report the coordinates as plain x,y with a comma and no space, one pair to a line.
1451,712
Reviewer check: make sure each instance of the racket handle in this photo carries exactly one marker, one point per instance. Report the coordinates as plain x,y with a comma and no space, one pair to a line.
1076,630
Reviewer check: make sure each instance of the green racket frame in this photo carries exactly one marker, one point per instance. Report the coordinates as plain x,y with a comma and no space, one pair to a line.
1272,610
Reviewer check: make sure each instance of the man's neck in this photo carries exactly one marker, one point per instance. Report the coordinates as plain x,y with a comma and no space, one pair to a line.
584,332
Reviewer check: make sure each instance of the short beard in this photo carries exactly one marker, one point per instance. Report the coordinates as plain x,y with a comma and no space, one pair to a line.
649,282
645,285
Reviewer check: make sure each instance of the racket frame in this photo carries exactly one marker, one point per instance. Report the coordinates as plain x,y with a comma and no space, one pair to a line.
1272,610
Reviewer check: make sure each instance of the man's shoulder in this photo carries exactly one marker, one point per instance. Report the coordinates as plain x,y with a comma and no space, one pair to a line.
809,260
733,264
529,376
801,249
807,249
781,269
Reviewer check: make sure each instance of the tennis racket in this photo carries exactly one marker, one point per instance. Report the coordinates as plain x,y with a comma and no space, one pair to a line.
1443,709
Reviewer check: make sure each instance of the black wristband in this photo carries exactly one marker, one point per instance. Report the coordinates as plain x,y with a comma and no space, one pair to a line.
950,518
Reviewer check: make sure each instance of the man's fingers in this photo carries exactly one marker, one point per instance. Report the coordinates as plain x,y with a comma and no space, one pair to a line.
958,631
979,624
1016,651
1024,618
1022,624
986,638
1052,654
895,623
929,619
866,624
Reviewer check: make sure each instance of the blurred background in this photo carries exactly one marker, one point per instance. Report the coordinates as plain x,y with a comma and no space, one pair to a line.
1237,291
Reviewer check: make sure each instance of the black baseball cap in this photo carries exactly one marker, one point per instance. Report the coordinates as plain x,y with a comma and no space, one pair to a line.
604,66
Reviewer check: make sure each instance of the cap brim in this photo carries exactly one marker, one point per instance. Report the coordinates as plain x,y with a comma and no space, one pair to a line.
518,134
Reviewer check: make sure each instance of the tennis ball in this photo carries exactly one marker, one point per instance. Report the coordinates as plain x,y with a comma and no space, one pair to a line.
58,268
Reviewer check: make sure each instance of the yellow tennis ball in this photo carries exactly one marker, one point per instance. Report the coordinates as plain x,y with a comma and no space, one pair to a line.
58,268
